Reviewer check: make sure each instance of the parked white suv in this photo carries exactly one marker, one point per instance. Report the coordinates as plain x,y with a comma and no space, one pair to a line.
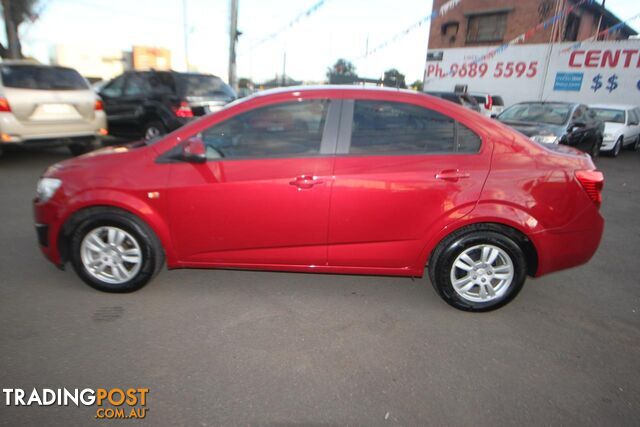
44,105
621,127
490,105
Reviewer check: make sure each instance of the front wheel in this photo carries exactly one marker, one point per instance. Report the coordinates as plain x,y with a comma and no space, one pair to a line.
154,129
617,148
115,252
478,270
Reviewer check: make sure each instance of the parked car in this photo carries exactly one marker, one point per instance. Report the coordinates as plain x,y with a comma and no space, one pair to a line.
490,105
459,98
621,127
329,180
557,123
43,106
152,103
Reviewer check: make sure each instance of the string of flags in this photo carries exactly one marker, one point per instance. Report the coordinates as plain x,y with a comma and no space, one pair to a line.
302,15
443,10
524,36
606,31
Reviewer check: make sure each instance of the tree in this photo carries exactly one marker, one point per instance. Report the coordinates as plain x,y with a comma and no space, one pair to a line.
394,78
15,12
417,85
342,72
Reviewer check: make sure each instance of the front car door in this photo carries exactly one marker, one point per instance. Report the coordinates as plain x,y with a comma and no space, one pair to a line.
402,171
262,197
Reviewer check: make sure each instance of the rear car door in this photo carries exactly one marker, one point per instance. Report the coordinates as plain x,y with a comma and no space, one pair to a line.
402,172
262,198
132,104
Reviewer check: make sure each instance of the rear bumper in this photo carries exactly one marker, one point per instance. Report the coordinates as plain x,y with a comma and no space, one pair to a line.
570,246
16,132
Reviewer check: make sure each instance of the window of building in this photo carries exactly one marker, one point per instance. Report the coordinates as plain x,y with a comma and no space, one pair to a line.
392,128
486,27
571,27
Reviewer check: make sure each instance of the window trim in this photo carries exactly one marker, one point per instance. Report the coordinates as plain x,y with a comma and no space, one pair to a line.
328,142
346,127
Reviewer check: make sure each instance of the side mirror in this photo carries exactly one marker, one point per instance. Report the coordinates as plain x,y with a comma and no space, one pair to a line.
193,150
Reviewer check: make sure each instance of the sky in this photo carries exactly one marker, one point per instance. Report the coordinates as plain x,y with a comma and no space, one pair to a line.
337,29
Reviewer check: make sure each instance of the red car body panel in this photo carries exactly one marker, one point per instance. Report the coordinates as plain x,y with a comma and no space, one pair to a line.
366,215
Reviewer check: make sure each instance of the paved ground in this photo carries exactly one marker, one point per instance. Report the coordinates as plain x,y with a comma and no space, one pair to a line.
232,347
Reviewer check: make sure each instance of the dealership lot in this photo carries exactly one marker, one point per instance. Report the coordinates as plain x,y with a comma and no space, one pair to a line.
237,347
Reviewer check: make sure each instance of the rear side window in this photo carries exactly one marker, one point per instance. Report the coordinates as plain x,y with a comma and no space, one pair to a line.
391,128
203,85
281,130
42,78
497,101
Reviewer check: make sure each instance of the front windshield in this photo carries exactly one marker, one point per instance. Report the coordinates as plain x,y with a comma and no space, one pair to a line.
548,113
609,115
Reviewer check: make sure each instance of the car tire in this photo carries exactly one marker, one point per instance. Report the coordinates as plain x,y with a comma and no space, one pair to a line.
154,129
595,149
114,251
615,152
497,269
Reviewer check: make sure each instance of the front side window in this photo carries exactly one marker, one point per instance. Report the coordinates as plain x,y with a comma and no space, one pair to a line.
394,128
135,86
282,130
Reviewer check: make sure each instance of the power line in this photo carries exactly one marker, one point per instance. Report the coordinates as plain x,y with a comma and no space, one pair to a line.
305,14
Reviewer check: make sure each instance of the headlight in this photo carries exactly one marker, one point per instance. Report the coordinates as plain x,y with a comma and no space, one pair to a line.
607,136
545,139
47,187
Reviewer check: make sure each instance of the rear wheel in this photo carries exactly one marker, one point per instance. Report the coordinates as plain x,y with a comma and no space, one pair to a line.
478,270
617,148
113,251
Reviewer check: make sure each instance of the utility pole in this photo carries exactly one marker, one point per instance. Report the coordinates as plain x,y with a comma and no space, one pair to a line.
284,68
185,29
233,39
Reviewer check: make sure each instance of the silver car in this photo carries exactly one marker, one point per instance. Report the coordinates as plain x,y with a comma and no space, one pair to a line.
44,105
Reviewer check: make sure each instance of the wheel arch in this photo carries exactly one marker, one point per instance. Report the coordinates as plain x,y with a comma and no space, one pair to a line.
141,211
518,234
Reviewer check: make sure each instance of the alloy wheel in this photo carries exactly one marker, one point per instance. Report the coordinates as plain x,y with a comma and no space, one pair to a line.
111,255
482,273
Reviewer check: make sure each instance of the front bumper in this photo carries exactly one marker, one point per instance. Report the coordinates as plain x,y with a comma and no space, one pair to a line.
607,145
47,223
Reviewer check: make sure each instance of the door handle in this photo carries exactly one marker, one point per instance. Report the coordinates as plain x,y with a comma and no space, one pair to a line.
452,175
305,181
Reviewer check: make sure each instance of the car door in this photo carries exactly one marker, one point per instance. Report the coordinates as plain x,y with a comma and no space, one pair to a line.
632,129
402,171
132,104
580,130
111,95
262,197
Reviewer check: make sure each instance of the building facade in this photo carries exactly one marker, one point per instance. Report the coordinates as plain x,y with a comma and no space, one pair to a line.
492,22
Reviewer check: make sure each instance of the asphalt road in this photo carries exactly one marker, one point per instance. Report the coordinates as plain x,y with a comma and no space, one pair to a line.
238,348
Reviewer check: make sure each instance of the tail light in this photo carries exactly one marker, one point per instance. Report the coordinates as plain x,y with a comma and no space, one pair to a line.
592,181
98,106
489,102
4,105
184,110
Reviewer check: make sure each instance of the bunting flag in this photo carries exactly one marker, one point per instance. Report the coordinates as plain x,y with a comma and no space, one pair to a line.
302,15
443,10
524,36
609,30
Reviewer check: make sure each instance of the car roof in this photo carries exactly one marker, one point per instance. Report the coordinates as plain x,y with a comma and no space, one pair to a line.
614,106
311,88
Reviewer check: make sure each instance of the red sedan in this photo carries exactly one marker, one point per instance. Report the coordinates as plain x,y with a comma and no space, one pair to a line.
329,180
